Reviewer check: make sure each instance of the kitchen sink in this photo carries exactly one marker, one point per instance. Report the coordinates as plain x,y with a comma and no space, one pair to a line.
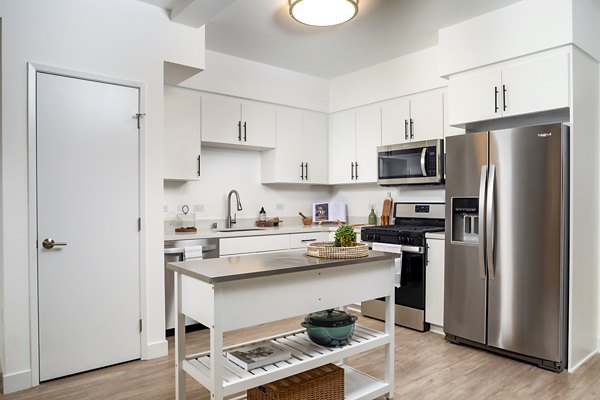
240,229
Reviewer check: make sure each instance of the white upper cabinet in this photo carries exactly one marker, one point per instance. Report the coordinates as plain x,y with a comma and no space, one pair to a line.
315,147
228,122
414,118
342,136
395,116
301,154
368,137
532,86
353,140
181,134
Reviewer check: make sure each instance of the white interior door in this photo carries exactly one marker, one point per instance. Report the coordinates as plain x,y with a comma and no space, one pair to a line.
88,198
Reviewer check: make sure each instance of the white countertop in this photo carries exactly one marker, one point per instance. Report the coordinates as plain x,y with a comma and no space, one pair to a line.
280,230
435,235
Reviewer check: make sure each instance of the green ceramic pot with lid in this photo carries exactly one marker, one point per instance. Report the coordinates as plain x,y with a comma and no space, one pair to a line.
329,327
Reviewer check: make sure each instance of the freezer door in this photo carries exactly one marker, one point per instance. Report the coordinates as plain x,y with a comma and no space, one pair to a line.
465,279
525,260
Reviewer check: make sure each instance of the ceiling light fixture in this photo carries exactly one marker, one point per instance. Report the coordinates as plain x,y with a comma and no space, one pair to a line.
323,12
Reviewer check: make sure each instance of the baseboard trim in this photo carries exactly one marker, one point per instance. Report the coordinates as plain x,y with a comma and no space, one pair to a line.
155,350
580,363
436,329
16,381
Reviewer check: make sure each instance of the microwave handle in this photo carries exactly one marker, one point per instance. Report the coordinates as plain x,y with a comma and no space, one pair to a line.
423,155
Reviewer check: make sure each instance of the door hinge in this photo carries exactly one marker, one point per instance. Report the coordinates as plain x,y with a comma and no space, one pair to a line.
139,224
140,325
139,116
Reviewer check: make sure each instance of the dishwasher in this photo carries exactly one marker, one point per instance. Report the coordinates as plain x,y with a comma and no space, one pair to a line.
176,250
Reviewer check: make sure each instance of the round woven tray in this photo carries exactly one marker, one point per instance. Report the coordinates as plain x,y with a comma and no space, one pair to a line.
327,250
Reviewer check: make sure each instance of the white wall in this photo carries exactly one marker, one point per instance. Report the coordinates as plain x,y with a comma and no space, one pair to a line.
125,39
239,77
1,217
413,73
227,169
519,29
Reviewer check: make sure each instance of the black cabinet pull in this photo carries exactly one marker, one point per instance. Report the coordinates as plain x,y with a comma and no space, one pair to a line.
412,129
405,129
302,171
504,96
356,171
306,173
240,131
244,131
495,99
198,164
352,171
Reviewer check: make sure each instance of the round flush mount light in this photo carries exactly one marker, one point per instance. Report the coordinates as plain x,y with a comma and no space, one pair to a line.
323,12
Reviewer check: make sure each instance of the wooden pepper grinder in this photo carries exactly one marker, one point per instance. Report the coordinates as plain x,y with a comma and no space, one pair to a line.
386,209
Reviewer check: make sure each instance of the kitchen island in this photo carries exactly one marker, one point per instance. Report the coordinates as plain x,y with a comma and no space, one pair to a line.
241,291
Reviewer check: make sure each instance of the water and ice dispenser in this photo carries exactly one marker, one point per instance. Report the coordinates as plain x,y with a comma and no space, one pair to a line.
465,220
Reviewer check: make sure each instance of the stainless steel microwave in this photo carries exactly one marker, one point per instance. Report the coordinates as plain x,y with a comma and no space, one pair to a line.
414,163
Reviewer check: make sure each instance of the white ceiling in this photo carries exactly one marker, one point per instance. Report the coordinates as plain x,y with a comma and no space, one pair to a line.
263,31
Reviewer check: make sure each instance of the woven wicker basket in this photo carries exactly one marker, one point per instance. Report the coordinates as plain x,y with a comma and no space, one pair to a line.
323,383
327,250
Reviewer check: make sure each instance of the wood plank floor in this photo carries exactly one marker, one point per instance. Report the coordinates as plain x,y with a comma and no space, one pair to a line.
426,367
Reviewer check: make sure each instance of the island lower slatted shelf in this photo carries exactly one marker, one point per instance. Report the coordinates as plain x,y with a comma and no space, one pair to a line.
305,355
232,293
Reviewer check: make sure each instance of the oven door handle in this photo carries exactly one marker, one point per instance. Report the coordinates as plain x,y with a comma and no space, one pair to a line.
412,249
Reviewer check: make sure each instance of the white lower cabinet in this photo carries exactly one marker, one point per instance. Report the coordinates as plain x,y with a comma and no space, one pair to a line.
434,282
301,240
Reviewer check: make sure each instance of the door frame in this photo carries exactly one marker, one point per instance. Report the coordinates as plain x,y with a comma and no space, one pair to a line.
32,70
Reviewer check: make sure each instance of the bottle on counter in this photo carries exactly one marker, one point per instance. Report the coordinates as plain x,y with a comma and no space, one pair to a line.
262,215
372,217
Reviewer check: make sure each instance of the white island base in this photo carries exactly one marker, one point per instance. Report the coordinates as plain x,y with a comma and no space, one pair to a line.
237,292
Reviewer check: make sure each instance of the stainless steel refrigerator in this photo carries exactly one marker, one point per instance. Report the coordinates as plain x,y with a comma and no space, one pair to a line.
506,261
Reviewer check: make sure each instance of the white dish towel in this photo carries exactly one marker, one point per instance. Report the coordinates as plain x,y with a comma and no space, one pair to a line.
192,252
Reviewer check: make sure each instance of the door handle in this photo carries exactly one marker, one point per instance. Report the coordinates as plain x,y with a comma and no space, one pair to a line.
423,154
240,131
490,226
352,171
405,129
49,243
356,170
412,129
306,171
198,165
484,170
244,131
504,97
495,99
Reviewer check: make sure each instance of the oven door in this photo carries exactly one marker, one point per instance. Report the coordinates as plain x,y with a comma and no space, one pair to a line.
410,287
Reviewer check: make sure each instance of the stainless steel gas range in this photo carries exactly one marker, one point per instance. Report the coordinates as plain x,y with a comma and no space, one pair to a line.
407,239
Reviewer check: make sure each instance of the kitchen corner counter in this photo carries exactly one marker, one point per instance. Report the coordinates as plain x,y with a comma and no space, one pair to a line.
280,230
260,265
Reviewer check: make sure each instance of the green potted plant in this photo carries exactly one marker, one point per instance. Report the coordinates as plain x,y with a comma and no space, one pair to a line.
345,237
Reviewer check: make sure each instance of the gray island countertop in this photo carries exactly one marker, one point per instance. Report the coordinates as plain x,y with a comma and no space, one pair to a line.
232,268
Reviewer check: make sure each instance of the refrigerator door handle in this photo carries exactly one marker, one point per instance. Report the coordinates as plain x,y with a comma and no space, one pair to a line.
423,154
481,230
490,226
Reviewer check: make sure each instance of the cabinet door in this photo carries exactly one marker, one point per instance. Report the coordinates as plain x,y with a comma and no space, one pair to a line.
259,128
220,119
368,137
181,133
427,116
341,147
473,97
301,240
434,282
395,116
535,86
449,130
288,154
315,146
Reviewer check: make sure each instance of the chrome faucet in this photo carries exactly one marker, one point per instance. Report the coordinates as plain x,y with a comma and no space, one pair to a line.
230,220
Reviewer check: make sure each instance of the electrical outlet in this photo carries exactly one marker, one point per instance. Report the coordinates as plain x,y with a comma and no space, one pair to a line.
198,207
165,208
279,207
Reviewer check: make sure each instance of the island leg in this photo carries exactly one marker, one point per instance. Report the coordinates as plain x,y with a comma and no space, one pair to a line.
179,343
216,347
389,348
